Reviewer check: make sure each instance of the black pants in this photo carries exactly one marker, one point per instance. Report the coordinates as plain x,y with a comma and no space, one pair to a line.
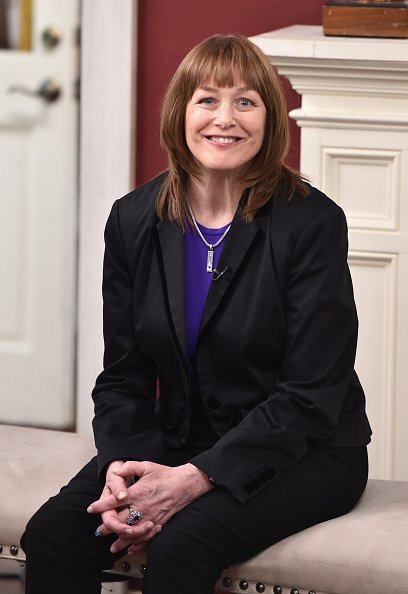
213,532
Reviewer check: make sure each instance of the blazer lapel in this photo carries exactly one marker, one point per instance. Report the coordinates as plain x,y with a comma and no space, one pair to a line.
237,243
171,241
171,245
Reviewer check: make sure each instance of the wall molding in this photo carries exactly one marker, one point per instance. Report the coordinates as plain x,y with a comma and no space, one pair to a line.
390,122
107,134
325,76
384,322
387,165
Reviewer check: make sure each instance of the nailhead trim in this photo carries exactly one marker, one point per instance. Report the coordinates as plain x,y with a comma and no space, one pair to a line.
227,582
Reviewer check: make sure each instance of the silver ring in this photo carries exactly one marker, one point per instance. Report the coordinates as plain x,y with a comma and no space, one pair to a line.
134,517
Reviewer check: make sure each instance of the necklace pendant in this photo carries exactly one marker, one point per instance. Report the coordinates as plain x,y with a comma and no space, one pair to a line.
210,259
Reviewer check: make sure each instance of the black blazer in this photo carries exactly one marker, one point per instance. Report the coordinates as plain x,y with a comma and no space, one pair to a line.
275,353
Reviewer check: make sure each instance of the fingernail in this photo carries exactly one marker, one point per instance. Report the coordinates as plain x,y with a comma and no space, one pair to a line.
149,525
121,495
98,532
130,552
159,529
89,509
113,549
129,531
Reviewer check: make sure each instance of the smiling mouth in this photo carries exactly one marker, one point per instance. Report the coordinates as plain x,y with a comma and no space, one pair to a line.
223,139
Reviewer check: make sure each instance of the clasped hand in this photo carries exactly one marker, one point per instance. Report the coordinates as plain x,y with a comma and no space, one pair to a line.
159,493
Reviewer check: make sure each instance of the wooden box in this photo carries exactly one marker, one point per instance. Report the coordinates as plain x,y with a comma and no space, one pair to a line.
366,18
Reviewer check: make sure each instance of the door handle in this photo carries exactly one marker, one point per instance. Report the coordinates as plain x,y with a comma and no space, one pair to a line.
51,36
50,90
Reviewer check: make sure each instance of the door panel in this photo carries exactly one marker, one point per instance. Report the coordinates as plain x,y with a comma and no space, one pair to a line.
38,201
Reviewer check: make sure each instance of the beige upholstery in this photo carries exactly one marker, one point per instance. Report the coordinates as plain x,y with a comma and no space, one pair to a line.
364,552
34,464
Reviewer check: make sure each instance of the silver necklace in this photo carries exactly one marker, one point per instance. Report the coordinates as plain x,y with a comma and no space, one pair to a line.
211,246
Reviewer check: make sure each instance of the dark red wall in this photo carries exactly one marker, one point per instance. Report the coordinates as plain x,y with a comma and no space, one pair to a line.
169,28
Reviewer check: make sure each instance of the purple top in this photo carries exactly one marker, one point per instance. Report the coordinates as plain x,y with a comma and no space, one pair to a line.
196,279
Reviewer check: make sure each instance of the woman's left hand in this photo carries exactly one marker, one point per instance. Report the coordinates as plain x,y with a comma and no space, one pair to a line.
160,492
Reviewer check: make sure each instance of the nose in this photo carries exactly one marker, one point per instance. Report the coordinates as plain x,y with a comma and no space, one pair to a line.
224,116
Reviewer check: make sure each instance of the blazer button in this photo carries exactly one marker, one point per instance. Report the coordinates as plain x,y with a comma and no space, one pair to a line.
213,402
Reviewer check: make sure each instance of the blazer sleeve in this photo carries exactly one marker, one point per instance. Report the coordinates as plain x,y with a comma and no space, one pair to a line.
317,365
125,425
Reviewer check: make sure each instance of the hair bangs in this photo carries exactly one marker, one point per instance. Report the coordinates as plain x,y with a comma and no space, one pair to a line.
226,63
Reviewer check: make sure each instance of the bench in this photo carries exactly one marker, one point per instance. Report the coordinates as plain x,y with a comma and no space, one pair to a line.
363,552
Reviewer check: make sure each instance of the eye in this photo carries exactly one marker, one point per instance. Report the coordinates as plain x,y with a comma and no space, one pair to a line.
245,102
206,101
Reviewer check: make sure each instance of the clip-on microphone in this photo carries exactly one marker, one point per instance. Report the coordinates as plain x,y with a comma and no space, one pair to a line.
217,274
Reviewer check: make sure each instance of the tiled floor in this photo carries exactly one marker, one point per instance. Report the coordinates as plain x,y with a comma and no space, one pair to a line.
11,586
10,573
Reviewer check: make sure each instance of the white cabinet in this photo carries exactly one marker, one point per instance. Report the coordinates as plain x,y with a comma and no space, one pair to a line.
354,146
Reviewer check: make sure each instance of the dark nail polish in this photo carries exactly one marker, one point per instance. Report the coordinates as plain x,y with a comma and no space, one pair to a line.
98,532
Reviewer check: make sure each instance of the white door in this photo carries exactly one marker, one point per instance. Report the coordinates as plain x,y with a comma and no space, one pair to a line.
38,201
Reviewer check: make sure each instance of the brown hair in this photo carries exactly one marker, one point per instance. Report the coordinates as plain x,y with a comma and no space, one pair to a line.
223,60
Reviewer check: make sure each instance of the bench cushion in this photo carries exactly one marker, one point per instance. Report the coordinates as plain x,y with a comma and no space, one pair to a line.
34,465
364,552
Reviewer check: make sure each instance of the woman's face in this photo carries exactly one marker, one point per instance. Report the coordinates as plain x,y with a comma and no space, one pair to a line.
225,127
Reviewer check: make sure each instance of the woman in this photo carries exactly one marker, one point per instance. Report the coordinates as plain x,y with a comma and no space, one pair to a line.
226,278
